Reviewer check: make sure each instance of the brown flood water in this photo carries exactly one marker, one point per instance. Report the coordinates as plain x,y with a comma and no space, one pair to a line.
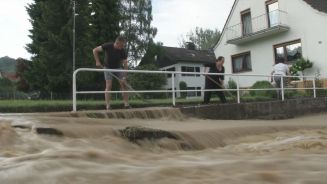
229,152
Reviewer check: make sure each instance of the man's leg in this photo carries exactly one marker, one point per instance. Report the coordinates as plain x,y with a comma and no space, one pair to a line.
108,95
123,87
222,97
207,94
278,85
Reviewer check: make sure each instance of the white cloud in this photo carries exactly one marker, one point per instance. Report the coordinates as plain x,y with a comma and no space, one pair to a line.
14,28
174,18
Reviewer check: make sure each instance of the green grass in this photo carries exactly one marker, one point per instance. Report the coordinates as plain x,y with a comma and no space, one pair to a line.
26,106
17,106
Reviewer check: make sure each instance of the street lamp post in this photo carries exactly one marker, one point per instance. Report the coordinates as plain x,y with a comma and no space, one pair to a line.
74,14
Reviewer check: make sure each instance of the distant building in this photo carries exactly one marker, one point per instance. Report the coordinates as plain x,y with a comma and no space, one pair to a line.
185,60
11,76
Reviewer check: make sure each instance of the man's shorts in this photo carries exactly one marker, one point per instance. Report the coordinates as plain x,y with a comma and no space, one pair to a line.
114,75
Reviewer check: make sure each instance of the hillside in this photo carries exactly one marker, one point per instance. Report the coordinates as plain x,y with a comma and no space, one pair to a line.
7,64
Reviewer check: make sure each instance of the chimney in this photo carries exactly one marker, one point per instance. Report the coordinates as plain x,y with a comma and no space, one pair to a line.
190,46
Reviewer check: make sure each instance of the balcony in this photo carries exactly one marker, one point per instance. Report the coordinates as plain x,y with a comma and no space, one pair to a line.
261,26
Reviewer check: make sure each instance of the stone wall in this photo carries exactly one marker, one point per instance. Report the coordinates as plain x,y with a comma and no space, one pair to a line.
261,110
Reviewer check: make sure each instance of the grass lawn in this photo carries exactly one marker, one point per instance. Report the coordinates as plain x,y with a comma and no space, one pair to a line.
11,106
22,106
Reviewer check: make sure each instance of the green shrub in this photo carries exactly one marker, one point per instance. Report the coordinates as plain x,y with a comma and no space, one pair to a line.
265,93
232,85
183,86
294,94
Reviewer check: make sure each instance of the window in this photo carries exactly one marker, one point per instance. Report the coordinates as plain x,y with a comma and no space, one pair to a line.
190,69
288,52
246,22
169,94
171,70
273,13
194,93
241,62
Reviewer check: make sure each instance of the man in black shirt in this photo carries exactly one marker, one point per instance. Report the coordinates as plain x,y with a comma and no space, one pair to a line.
215,81
115,58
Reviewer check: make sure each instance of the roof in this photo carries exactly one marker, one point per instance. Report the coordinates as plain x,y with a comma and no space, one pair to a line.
228,18
173,55
320,5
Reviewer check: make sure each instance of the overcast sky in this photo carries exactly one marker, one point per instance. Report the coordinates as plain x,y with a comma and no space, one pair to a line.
173,18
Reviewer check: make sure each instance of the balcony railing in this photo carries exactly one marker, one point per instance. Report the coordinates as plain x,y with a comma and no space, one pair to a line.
259,27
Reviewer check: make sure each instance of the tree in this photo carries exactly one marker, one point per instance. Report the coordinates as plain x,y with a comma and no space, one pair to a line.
97,21
203,39
300,66
183,86
136,26
7,88
51,46
21,66
153,50
105,19
142,81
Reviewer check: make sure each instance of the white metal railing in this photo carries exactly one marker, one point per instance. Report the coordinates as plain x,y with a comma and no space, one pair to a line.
173,90
257,24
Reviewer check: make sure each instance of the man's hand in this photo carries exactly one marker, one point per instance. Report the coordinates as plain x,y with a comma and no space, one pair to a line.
222,83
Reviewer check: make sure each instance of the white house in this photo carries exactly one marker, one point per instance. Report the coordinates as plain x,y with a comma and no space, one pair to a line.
185,60
257,33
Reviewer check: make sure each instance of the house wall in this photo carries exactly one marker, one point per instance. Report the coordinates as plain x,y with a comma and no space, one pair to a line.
191,81
306,24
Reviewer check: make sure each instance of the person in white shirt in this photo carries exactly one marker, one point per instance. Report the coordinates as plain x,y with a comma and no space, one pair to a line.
279,71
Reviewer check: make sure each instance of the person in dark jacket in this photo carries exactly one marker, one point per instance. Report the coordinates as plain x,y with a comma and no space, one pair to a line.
215,81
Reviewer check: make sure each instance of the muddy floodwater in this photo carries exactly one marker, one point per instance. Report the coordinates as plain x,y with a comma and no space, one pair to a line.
205,151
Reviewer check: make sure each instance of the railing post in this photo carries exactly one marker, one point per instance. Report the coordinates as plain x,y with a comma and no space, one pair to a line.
282,86
173,88
314,88
238,90
74,91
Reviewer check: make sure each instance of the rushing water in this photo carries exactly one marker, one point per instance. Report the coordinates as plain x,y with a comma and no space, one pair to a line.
93,151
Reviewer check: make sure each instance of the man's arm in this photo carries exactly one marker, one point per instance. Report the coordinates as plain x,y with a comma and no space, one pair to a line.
96,52
287,70
222,77
272,75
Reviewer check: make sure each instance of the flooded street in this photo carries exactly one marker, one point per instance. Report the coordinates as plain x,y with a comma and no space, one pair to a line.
231,152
